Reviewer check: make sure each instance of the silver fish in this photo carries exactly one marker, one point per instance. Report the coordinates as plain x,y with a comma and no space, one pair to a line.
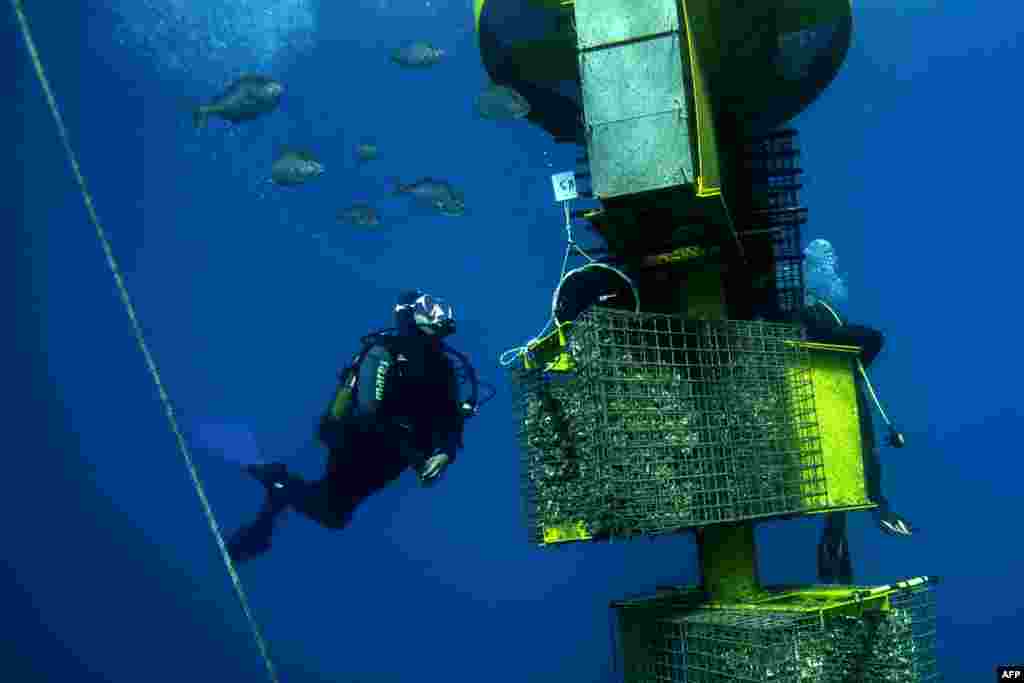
363,215
451,207
417,54
498,102
295,167
248,98
437,194
366,151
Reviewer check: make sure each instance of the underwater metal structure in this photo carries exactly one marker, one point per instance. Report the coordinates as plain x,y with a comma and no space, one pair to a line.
705,410
667,423
825,633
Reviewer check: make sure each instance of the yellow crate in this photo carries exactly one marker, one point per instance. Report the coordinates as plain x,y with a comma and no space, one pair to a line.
833,372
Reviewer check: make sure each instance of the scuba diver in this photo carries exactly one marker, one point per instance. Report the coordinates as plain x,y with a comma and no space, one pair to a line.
397,406
824,325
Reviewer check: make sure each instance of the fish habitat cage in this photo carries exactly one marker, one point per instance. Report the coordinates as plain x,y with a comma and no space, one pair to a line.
824,634
769,216
635,424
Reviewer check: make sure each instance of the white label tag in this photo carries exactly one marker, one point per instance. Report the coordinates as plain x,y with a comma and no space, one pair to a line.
565,186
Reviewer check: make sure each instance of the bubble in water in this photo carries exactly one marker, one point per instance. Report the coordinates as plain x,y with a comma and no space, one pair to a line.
821,252
821,277
213,41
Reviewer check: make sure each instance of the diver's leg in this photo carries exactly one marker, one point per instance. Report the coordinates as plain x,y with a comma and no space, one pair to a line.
888,521
369,461
329,501
834,562
253,539
323,502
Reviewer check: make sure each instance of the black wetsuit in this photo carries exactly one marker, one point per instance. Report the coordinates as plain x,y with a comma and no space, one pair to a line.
405,408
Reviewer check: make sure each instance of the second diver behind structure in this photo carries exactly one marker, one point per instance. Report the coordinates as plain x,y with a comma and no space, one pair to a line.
398,406
824,325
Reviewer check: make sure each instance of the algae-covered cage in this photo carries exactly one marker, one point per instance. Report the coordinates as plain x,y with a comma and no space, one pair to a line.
834,634
656,424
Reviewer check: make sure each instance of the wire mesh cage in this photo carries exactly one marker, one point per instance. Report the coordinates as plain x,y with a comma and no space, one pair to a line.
770,228
667,423
882,635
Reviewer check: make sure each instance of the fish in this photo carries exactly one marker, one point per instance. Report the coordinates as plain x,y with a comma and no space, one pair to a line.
361,214
295,167
248,98
417,53
437,194
366,151
451,207
499,102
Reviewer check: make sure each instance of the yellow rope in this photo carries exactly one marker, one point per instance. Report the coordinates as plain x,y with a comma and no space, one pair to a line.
137,329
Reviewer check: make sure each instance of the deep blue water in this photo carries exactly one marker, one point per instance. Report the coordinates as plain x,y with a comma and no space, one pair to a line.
251,298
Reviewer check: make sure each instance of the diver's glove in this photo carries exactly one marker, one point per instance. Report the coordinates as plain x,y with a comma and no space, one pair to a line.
891,523
430,471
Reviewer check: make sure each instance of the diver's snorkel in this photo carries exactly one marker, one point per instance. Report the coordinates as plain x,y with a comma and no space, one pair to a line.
895,438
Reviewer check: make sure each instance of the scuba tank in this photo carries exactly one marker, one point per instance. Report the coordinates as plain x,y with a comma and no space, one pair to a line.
332,422
341,404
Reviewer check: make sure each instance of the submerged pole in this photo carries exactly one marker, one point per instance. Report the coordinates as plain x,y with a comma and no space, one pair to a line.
728,561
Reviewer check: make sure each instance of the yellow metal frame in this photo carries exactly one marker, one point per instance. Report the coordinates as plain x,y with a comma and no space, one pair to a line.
709,182
850,600
564,533
478,8
833,382
834,393
679,255
549,352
